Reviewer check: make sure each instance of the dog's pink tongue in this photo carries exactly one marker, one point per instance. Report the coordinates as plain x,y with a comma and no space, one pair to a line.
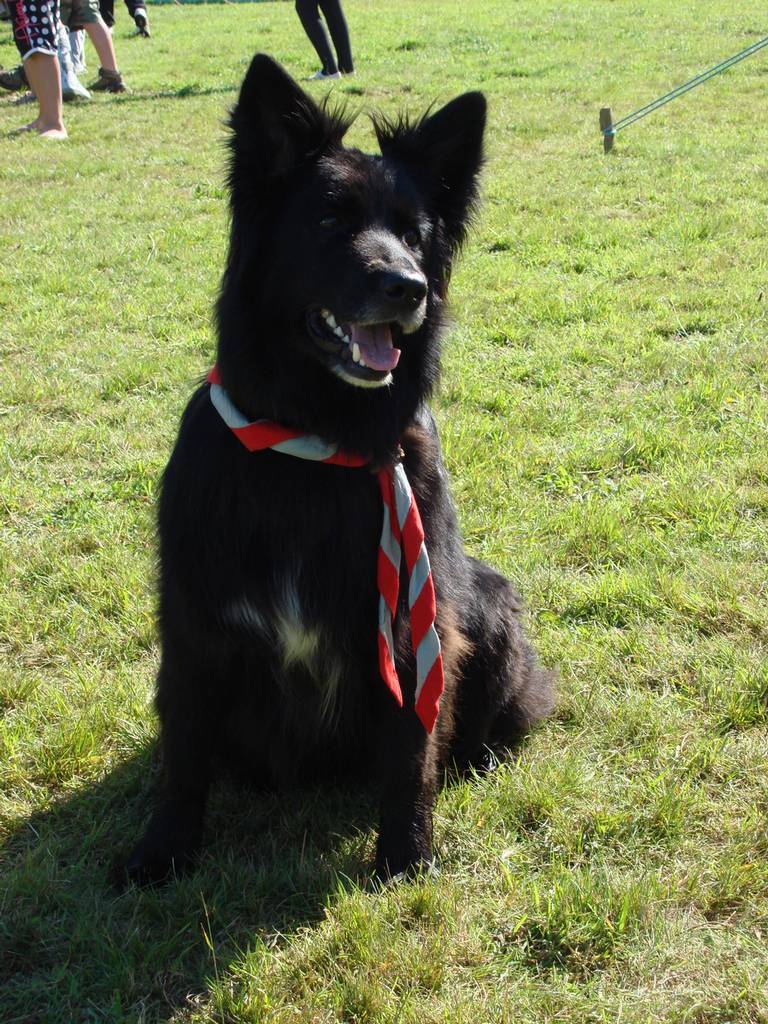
375,344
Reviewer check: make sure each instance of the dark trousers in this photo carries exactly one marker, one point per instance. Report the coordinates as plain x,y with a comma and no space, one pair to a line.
309,14
107,9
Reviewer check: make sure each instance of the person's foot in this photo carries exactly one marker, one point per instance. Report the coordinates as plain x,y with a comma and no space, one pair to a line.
43,129
142,22
14,79
324,76
53,133
109,81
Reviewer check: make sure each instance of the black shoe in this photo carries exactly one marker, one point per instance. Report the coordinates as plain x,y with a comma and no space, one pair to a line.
142,22
14,79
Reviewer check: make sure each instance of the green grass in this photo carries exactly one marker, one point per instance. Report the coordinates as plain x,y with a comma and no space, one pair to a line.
603,411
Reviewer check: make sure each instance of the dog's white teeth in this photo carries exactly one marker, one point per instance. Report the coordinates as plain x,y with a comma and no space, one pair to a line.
356,352
346,339
363,362
338,332
330,319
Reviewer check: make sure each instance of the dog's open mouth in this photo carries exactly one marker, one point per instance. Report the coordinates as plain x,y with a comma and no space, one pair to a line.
361,354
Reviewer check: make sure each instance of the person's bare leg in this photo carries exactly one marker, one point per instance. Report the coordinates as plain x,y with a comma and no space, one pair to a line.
99,35
42,70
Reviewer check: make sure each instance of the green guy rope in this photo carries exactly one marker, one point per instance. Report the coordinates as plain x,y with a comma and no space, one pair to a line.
609,129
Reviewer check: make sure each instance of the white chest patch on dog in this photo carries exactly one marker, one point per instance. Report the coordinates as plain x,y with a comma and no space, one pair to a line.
297,644
300,644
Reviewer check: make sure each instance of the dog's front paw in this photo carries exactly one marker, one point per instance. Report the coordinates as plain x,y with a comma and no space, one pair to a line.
407,857
422,870
162,854
145,867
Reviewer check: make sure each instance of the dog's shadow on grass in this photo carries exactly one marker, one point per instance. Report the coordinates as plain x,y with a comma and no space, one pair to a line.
73,948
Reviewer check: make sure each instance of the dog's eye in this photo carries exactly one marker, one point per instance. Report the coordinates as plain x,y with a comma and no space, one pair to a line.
331,221
412,238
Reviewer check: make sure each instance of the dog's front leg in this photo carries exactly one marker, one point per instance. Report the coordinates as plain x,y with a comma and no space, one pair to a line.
409,775
173,834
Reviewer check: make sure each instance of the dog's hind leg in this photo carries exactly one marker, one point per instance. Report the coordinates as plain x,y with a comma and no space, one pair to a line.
503,690
187,732
408,772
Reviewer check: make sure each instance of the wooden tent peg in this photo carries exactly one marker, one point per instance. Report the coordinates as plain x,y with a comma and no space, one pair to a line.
606,121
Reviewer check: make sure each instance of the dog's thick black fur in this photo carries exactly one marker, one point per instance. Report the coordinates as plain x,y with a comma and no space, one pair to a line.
268,598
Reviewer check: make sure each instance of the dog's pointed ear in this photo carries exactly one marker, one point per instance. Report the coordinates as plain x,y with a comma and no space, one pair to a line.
444,151
275,125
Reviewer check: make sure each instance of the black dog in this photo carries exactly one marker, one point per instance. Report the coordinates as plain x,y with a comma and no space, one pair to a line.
329,324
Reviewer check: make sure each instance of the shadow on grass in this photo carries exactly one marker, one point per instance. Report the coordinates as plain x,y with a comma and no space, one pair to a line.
187,91
184,92
72,949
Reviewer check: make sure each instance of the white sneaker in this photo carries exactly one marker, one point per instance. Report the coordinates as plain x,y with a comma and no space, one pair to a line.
73,89
142,22
321,76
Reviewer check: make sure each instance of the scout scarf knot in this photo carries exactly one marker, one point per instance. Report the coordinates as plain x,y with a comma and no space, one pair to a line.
401,530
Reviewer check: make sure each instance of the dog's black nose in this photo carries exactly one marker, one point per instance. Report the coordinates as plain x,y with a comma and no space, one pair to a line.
405,289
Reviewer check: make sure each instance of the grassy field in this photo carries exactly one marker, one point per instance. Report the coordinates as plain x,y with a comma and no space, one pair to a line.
603,410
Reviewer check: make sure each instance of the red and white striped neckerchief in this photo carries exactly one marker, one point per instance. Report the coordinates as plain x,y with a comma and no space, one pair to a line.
402,526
